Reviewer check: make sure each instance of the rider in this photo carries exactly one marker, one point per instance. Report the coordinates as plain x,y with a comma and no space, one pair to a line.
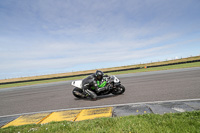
91,81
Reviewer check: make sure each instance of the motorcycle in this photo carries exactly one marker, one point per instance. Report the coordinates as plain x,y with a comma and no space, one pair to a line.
112,83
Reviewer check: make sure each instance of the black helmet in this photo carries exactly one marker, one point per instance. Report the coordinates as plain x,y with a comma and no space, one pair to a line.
99,75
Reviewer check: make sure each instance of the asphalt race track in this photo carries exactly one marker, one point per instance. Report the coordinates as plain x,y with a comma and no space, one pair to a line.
140,87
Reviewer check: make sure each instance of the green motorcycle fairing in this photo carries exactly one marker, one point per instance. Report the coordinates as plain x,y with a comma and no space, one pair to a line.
99,85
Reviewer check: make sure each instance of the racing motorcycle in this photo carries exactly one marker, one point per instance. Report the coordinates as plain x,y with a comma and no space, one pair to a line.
112,83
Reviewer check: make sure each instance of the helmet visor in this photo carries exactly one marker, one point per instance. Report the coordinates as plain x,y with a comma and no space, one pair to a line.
99,77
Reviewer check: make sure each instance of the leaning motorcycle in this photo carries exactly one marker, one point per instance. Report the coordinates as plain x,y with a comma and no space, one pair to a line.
112,83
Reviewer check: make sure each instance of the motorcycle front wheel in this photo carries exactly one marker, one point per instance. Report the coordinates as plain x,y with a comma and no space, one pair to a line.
119,90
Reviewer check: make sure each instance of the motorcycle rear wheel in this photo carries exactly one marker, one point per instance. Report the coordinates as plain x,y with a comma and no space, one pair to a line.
76,91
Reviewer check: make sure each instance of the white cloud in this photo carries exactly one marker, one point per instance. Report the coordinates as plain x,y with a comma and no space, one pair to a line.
63,55
47,34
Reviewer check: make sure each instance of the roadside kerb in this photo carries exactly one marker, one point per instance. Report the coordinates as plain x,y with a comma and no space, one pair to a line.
69,115
159,107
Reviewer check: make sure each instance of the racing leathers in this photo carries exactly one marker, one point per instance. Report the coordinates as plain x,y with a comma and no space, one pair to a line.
89,82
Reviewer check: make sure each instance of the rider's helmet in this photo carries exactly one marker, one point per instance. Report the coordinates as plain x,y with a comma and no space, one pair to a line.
99,75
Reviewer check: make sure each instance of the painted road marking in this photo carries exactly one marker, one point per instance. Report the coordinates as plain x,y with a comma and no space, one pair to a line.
69,115
28,119
94,113
179,109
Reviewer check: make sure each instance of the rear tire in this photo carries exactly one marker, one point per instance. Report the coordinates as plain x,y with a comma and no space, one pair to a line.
120,90
76,91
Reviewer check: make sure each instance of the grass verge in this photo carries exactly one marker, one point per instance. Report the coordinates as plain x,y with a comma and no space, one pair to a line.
188,65
187,122
39,82
179,66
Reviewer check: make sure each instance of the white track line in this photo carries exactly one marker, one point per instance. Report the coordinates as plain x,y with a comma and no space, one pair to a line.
114,105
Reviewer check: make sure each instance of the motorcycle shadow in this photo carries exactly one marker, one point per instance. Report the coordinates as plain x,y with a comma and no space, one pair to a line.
98,97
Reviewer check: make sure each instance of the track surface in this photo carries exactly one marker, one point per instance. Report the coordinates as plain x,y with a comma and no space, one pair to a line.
140,87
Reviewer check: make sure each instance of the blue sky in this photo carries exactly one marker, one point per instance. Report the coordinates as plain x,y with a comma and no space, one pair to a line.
39,37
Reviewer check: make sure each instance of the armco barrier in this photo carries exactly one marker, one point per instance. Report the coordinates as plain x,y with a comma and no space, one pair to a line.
104,71
66,76
174,63
44,79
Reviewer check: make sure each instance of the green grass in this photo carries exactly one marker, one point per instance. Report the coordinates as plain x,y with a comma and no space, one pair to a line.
40,82
187,122
188,65
179,66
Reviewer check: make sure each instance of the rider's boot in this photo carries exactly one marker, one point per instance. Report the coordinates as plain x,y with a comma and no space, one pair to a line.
91,94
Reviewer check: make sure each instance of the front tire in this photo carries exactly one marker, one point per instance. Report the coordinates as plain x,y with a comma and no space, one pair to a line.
119,90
